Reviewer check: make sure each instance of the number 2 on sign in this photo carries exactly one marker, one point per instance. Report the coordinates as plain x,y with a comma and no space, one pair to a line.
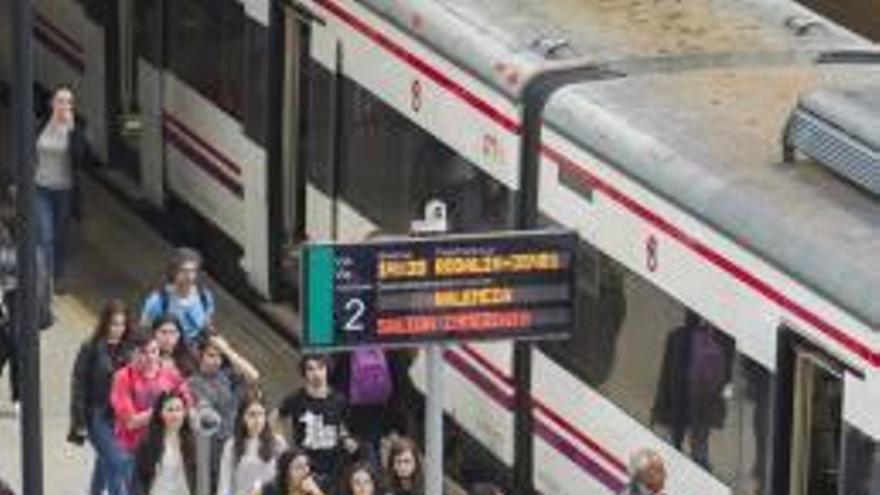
354,308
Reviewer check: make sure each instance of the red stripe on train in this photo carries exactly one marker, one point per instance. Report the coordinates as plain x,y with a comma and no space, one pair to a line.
201,159
422,66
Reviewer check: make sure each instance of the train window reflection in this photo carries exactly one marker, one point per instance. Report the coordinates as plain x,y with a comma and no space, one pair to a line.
391,167
206,49
861,472
671,370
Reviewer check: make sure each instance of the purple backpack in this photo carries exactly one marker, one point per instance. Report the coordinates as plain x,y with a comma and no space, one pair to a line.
370,382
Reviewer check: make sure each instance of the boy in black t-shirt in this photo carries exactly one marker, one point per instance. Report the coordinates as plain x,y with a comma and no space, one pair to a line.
318,417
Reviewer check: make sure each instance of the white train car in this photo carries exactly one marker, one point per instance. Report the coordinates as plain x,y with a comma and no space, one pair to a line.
276,122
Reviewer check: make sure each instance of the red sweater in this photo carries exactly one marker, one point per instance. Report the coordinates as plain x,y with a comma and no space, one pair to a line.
133,393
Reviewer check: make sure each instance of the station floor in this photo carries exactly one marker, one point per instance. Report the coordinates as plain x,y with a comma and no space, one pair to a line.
116,255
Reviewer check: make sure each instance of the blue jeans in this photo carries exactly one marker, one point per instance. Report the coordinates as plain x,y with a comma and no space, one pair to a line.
111,462
54,210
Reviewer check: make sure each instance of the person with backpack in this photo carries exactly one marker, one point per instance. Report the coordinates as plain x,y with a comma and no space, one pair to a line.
365,376
182,296
105,352
318,420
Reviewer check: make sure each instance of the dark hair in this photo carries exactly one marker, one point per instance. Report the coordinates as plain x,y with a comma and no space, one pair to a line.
484,488
692,318
282,467
266,439
112,308
204,345
345,483
182,355
152,447
181,256
139,337
321,358
398,446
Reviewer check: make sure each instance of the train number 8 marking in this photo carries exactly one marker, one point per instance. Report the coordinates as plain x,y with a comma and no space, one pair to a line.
652,258
416,95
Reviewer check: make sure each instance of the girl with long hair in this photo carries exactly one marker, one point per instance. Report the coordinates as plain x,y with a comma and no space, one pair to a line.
62,150
403,468
165,462
293,476
175,352
361,479
99,357
249,457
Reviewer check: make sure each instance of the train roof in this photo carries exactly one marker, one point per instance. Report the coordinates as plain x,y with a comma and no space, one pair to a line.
698,113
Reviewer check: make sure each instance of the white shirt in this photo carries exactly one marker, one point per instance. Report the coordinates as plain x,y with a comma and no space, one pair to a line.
170,476
54,170
246,477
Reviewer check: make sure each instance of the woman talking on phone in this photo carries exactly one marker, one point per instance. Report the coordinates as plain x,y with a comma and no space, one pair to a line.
293,476
62,149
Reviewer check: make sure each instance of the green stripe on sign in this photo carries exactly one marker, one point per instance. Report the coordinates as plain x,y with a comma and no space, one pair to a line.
319,329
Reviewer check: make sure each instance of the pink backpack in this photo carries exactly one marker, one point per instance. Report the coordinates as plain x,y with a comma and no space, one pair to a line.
370,382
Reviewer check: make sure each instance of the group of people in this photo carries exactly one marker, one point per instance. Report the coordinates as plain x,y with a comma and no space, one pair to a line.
142,389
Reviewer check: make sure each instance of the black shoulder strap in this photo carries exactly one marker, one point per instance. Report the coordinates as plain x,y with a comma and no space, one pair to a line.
164,300
203,297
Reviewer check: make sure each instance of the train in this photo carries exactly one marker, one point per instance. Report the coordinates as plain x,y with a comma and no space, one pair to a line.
659,130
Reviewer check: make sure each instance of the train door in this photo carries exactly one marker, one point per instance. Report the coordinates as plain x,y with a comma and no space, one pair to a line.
123,109
816,423
289,191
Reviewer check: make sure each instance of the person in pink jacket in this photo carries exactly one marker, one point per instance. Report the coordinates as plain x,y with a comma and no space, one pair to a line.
135,388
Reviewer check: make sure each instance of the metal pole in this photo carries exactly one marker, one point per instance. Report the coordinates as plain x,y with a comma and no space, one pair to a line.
203,463
535,94
433,223
26,307
527,218
207,424
434,422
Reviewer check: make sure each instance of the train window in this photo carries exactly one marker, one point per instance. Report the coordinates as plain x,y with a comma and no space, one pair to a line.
670,370
256,116
751,405
206,49
148,31
589,355
319,140
391,167
376,162
861,469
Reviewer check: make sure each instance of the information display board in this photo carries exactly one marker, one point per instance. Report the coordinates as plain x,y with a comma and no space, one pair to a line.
414,291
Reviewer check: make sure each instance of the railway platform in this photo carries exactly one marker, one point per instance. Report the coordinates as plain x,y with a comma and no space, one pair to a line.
115,254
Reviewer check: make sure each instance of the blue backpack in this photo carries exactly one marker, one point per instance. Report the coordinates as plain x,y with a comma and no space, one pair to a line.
370,382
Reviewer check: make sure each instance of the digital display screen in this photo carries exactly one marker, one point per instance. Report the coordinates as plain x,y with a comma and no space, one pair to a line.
414,291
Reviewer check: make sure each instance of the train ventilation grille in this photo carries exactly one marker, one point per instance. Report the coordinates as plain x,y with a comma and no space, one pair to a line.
840,129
